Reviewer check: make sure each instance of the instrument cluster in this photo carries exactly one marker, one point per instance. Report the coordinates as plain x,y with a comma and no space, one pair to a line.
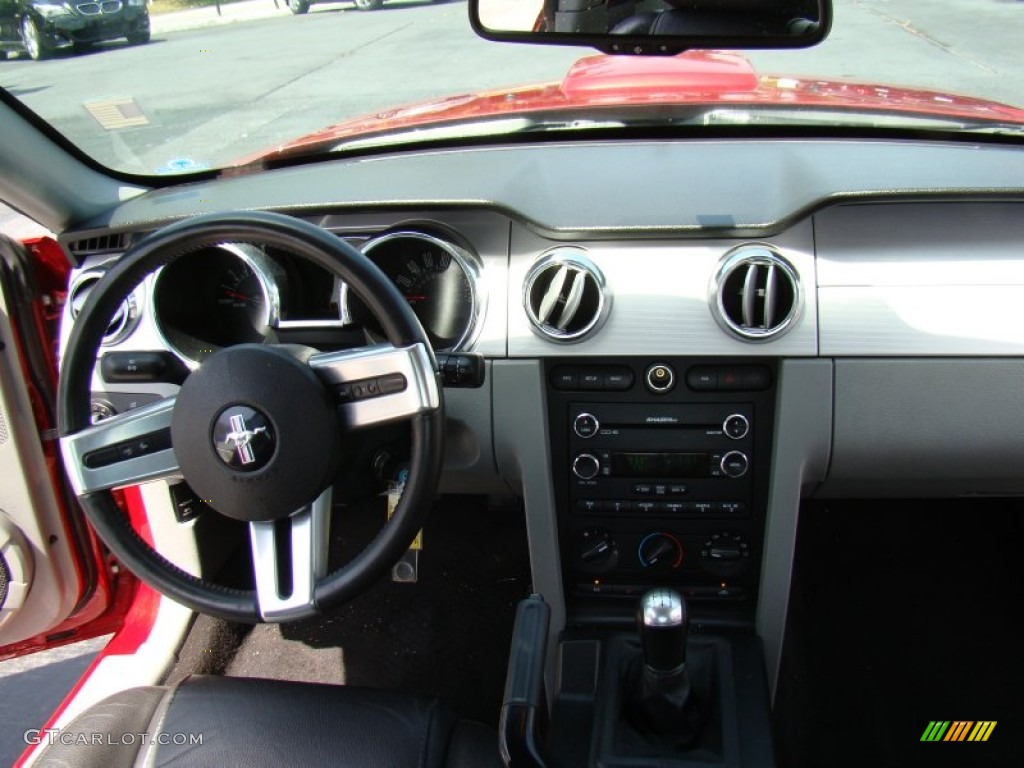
237,293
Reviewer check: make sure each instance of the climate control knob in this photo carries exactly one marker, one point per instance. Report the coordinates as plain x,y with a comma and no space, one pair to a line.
597,551
660,551
735,464
725,554
586,466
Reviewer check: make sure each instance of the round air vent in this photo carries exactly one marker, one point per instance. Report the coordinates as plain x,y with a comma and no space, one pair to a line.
564,295
123,321
756,293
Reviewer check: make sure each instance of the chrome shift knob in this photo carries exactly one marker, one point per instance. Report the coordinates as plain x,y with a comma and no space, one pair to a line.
663,622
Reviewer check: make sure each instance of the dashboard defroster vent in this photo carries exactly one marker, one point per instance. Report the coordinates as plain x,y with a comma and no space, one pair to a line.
756,293
100,244
565,296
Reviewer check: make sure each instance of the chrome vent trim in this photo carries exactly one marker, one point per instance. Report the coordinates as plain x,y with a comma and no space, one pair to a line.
114,242
565,295
124,320
756,294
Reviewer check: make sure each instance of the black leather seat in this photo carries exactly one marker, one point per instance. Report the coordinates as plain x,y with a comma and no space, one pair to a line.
223,722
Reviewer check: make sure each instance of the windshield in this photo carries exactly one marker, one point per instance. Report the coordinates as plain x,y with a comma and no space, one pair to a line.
175,86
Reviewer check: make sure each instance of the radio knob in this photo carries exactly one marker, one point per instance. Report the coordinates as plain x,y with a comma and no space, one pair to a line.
586,466
586,425
735,464
736,426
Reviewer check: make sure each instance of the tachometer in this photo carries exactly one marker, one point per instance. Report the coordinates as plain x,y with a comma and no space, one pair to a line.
439,280
216,297
242,302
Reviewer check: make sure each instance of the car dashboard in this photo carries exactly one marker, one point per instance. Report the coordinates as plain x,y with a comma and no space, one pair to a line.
680,340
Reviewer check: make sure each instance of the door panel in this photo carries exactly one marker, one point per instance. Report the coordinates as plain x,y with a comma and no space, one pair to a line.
56,580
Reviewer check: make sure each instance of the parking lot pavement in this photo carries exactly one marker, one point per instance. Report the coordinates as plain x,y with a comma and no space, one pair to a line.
31,687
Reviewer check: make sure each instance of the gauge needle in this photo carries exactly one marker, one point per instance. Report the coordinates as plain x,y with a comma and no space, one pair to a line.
415,298
237,295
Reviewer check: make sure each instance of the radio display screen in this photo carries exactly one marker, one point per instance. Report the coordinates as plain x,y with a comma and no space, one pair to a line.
661,464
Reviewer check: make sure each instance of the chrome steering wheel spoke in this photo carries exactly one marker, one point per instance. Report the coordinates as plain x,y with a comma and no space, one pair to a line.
289,557
127,449
380,384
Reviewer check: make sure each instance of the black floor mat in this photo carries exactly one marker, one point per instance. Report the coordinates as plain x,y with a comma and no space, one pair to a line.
447,635
903,613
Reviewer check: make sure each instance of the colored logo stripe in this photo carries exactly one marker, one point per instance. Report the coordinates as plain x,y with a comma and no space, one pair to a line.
982,730
958,730
935,730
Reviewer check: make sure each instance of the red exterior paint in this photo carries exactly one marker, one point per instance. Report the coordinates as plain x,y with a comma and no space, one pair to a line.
136,625
693,78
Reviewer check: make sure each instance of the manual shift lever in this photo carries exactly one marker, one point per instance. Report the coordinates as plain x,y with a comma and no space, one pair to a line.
660,703
663,622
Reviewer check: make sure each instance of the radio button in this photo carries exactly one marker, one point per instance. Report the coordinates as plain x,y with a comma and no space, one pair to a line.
675,507
677,490
736,426
619,507
591,378
735,464
645,507
565,377
586,466
586,425
590,506
643,489
618,379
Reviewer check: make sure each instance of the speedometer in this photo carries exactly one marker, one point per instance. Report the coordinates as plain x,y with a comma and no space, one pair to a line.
439,280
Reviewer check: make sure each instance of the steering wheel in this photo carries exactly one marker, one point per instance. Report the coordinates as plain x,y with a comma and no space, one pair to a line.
257,430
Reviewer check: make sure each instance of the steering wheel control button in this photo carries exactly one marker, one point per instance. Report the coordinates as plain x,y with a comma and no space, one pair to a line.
660,378
586,466
129,449
586,425
735,464
244,438
736,426
149,367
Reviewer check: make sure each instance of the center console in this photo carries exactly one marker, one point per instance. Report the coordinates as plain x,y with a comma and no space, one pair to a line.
661,478
661,471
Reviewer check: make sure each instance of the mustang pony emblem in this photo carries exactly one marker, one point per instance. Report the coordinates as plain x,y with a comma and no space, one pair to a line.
238,439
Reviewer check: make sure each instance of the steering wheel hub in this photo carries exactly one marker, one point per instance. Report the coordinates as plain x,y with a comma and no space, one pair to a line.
256,432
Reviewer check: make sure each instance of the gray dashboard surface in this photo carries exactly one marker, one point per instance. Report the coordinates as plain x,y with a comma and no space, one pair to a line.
705,187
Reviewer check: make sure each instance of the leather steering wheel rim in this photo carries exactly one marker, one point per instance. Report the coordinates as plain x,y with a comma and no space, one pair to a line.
400,326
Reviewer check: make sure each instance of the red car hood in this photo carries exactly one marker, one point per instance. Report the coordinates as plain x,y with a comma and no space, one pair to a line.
694,78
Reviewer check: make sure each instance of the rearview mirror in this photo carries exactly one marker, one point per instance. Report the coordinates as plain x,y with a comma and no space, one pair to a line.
654,27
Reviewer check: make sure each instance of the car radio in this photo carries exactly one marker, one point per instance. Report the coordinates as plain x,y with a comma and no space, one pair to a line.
661,485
